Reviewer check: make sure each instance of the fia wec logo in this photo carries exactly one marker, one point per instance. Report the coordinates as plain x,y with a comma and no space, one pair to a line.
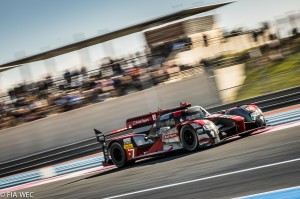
17,195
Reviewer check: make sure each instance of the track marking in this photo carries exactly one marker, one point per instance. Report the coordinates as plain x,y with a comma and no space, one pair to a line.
272,194
281,127
205,178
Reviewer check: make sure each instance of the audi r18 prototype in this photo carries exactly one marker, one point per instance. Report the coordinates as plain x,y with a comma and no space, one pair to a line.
184,127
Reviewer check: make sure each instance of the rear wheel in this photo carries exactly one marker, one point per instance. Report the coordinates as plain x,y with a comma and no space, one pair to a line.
118,155
189,138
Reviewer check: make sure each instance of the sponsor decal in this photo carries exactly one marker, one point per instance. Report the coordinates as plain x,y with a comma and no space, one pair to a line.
127,141
172,140
128,146
170,137
141,121
153,117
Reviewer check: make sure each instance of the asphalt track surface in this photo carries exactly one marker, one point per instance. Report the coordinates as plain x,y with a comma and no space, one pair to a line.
246,166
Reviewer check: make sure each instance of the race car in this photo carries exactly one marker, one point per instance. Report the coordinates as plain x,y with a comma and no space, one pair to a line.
183,127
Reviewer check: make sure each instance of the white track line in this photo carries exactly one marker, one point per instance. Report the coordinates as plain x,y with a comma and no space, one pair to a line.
206,178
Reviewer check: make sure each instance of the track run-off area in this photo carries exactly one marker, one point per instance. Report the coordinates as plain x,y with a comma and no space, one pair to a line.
257,166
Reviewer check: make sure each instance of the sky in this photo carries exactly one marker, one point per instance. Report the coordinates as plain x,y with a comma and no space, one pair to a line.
33,26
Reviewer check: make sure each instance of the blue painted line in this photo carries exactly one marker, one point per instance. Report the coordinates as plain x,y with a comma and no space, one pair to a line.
284,121
289,193
19,177
19,182
80,163
78,168
283,116
286,112
288,118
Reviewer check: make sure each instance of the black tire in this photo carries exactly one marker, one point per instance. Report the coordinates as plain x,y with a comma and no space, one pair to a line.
118,155
189,138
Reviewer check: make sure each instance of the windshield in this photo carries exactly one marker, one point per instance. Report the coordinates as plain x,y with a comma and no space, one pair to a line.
168,120
195,112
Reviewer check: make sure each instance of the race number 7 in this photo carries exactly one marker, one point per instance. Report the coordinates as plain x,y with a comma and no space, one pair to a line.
132,152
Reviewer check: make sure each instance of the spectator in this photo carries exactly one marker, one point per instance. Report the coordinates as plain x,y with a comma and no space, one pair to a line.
67,76
255,35
295,32
205,40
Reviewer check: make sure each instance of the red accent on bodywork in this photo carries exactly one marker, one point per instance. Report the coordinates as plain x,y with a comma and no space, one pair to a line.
201,122
184,122
206,140
214,116
177,113
240,123
157,146
237,118
254,106
119,130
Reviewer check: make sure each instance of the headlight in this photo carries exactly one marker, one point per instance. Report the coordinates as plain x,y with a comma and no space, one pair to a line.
254,115
209,127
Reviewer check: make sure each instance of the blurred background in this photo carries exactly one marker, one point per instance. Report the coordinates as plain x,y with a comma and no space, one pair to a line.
208,59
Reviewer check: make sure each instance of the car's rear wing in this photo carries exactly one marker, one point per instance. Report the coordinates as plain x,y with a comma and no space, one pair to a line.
104,140
150,118
106,137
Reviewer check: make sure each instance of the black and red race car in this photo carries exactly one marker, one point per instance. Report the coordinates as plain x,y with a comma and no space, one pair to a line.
183,127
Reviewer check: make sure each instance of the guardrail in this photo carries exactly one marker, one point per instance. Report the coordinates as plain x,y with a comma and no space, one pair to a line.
90,146
266,102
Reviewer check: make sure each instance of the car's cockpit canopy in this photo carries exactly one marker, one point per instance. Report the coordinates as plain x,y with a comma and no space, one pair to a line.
174,118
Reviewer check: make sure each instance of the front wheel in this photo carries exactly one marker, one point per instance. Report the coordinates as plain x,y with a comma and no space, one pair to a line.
189,138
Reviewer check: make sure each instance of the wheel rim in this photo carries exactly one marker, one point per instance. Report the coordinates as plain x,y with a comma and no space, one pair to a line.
189,138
